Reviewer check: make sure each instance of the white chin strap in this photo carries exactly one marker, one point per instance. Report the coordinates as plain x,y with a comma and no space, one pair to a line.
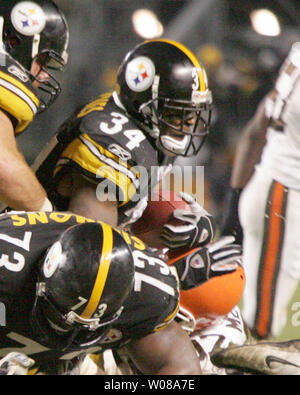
1,34
173,145
35,45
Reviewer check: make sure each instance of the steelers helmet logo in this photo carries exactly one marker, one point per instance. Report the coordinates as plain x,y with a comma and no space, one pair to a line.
28,18
140,73
53,259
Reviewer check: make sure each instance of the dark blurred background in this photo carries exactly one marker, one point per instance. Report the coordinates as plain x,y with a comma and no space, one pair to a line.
241,43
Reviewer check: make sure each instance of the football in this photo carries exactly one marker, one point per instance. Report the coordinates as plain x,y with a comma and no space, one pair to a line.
157,213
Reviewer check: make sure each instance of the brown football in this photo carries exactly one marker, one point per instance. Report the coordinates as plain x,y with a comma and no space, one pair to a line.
157,213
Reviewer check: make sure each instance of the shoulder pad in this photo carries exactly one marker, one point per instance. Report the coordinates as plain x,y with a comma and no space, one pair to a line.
95,105
17,95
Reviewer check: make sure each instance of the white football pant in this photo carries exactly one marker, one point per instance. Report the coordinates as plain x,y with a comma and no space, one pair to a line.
270,217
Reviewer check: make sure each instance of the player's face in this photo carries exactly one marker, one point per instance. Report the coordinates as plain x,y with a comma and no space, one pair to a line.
39,73
177,122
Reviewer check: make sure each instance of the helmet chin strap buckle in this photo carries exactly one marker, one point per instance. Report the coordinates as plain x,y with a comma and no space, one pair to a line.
91,323
187,320
41,289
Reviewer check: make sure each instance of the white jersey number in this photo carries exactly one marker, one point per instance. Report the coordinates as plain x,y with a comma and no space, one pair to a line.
140,260
135,136
19,260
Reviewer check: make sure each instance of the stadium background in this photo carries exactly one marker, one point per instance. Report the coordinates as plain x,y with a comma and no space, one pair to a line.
241,65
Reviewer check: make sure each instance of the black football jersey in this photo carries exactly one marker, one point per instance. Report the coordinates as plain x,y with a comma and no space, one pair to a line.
24,241
108,148
17,97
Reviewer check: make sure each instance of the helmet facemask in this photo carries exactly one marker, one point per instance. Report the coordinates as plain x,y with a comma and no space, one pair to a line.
50,88
72,329
186,320
180,127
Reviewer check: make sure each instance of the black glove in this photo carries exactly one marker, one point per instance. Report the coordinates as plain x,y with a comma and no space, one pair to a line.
231,223
221,257
197,228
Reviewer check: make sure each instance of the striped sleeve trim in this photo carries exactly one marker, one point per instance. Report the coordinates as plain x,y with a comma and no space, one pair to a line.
99,166
111,160
21,90
17,100
19,93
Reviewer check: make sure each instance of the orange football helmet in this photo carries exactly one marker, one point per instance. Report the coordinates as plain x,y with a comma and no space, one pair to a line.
203,305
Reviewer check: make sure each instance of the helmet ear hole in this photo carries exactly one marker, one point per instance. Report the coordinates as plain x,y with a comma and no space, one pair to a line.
53,316
136,105
14,41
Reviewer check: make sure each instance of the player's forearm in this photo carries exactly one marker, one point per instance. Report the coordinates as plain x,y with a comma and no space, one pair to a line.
86,202
247,156
19,187
155,353
249,148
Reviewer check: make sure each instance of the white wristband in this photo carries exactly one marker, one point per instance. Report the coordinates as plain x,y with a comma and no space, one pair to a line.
47,205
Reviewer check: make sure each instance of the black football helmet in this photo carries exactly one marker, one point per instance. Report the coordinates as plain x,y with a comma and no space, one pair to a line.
36,30
83,282
161,77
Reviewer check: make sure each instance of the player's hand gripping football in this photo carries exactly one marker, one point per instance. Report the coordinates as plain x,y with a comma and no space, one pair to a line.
200,265
195,227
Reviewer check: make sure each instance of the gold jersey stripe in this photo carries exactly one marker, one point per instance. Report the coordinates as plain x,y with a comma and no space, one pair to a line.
192,58
111,160
17,107
107,153
21,86
95,298
96,105
78,152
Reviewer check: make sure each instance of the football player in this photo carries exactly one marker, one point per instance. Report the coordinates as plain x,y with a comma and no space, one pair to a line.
209,313
115,149
71,286
33,40
267,160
